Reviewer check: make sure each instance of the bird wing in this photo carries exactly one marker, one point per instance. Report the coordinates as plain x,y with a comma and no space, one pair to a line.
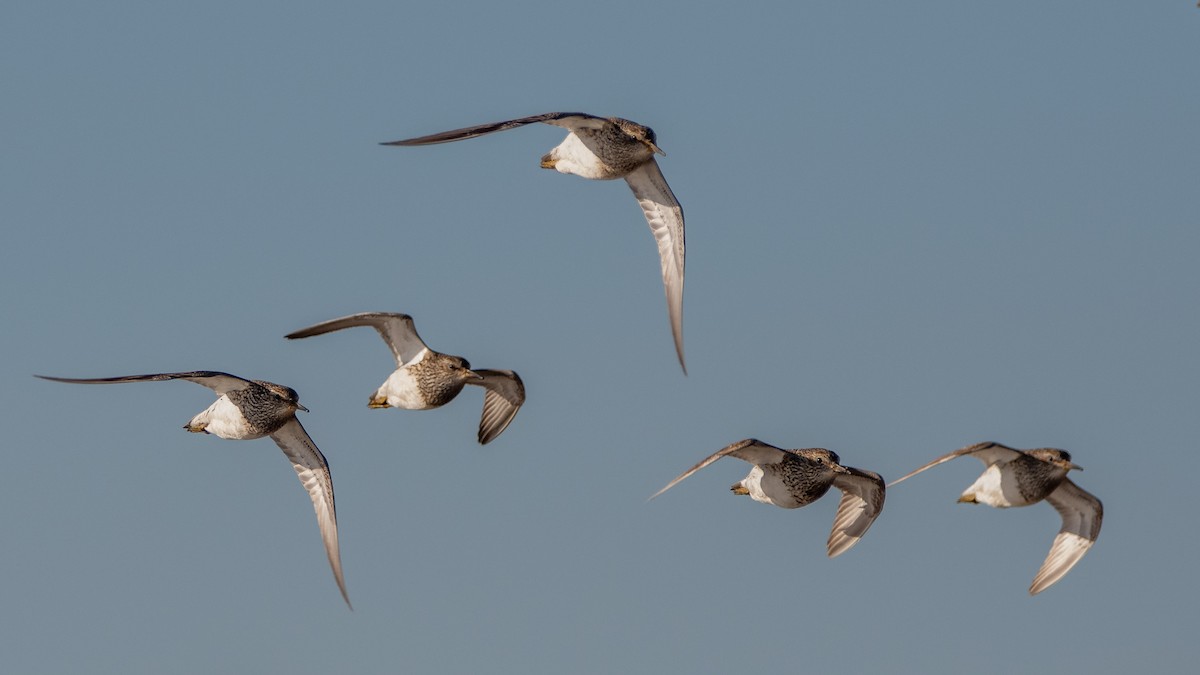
1081,515
569,120
750,450
221,383
988,453
665,216
397,330
863,493
504,397
313,471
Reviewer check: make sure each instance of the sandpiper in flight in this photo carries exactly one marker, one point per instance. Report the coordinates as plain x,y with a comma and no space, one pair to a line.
1023,477
794,478
426,379
248,409
605,148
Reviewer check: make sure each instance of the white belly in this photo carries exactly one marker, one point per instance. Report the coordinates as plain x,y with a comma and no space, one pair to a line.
400,391
223,419
996,488
573,157
769,489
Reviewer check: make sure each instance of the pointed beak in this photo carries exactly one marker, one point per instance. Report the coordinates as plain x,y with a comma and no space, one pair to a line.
1076,467
657,150
300,407
472,375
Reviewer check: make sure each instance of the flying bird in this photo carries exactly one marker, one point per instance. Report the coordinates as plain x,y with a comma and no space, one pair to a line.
426,379
793,478
1023,477
605,148
249,409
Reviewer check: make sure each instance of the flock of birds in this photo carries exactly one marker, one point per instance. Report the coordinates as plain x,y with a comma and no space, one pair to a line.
606,148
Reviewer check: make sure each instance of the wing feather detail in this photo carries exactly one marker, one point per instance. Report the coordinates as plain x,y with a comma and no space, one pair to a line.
665,217
750,450
397,330
504,396
313,472
863,494
221,383
1081,515
989,453
569,120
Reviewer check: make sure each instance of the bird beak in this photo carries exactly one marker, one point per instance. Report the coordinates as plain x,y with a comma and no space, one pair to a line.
739,489
300,407
1076,467
473,375
657,150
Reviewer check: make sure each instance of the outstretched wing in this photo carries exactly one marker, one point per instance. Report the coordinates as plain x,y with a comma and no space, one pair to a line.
1081,516
569,120
988,453
397,330
862,501
313,471
222,383
750,450
665,216
504,397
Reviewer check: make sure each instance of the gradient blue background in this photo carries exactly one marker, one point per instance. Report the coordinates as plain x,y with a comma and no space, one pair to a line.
911,226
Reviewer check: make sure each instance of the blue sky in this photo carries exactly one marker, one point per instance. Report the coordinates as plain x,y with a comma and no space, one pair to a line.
911,227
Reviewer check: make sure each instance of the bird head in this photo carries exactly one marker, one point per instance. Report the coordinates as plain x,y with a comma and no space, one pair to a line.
461,368
1059,458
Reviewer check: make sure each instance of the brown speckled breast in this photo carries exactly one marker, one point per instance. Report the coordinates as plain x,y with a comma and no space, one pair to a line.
1035,478
437,383
619,151
806,479
264,410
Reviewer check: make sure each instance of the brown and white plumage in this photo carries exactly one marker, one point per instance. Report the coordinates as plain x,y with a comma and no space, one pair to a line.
606,148
249,409
426,379
1014,477
794,478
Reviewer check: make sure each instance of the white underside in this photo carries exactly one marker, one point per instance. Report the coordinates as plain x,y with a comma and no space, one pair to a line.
768,489
223,419
996,488
400,391
573,157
